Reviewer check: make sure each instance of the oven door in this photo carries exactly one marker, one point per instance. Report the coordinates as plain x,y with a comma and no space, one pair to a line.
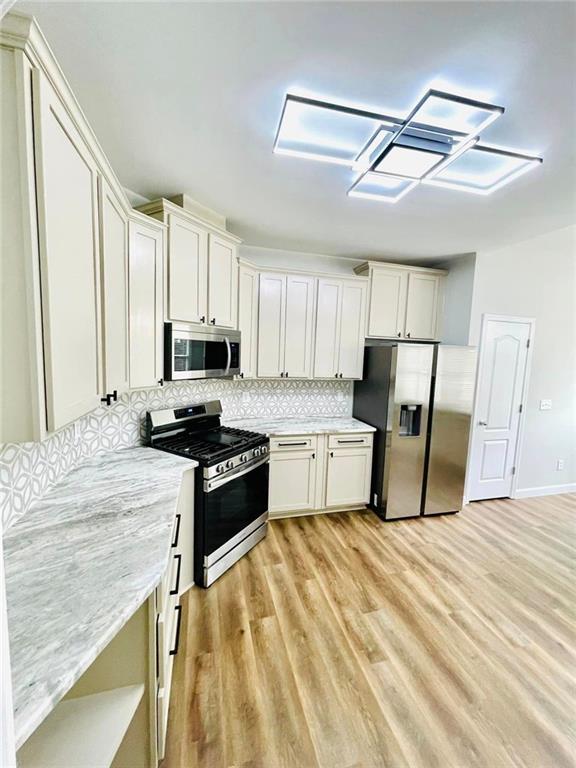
200,354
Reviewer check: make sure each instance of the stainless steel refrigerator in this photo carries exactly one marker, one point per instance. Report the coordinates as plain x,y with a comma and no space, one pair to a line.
419,397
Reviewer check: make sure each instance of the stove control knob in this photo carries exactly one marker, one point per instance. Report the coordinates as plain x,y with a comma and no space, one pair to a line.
256,452
264,449
229,465
243,458
219,469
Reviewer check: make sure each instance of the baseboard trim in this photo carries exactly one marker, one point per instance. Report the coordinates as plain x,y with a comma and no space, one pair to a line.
308,512
545,490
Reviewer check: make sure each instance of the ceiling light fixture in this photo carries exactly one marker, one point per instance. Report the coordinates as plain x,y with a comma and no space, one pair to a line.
436,144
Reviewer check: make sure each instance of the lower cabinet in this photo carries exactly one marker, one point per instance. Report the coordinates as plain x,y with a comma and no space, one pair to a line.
310,473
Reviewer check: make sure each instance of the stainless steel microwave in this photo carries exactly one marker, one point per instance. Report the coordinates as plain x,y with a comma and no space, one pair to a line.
199,353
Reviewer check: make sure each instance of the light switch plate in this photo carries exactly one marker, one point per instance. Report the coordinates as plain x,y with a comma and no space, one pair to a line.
560,464
545,405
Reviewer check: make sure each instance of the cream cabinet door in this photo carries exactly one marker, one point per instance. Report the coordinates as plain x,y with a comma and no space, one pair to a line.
292,482
327,341
114,255
388,290
299,321
145,266
348,475
248,320
187,271
422,308
222,283
352,325
67,200
271,325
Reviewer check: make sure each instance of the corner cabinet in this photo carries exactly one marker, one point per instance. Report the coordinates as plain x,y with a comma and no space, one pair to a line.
404,302
145,281
340,323
201,266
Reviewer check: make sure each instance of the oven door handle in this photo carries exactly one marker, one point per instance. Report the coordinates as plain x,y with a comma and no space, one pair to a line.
229,352
218,482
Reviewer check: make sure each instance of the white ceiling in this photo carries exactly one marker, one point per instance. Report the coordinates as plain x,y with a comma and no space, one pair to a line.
185,97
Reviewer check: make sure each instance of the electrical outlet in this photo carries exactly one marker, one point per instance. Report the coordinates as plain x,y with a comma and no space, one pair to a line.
560,464
545,405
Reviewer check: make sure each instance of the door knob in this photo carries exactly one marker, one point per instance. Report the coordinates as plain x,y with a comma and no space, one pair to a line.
482,424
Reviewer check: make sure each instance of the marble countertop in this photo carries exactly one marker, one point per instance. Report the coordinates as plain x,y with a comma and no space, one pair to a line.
79,564
314,425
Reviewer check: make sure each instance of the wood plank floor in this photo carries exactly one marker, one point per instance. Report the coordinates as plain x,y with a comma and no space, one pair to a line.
342,642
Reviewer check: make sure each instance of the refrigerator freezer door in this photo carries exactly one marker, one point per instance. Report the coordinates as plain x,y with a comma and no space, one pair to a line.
450,428
405,456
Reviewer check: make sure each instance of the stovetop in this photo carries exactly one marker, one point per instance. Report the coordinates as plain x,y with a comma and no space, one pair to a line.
211,446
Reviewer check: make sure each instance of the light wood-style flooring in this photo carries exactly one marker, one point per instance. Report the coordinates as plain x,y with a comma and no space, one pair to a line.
344,642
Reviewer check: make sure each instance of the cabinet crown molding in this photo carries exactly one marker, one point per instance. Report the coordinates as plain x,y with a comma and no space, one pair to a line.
164,206
304,272
366,266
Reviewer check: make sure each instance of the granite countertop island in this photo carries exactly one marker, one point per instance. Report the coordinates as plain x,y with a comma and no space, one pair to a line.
79,564
314,425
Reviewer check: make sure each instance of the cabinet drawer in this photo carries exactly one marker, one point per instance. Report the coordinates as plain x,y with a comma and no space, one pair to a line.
168,629
293,443
350,440
170,584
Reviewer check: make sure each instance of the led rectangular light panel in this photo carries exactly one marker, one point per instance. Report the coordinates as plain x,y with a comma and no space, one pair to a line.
406,161
454,114
378,186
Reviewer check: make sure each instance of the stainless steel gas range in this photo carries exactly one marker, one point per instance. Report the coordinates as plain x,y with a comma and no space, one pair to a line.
231,489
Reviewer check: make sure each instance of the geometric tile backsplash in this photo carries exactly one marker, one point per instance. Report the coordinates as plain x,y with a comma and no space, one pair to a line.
27,470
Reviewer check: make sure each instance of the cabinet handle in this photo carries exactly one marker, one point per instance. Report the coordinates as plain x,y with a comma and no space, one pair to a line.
161,382
281,374
115,395
286,374
106,399
351,441
408,335
203,319
304,443
331,454
313,455
177,531
174,650
336,375
399,334
213,321
341,375
241,375
178,569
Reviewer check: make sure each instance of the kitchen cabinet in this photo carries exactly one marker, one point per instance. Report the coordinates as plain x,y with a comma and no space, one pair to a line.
315,473
222,282
202,264
340,321
292,476
422,305
114,254
404,302
187,271
145,284
67,195
248,284
285,325
348,472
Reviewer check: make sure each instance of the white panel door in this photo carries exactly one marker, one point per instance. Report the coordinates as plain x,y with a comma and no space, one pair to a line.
114,250
145,305
187,271
292,482
271,325
501,381
326,347
222,283
388,288
69,261
348,476
422,305
299,320
248,320
352,325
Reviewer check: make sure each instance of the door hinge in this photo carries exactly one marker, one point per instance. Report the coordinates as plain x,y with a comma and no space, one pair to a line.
513,470
528,344
520,408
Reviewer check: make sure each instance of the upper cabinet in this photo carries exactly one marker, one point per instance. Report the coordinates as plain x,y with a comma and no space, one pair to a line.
202,267
285,325
340,323
145,304
248,286
405,302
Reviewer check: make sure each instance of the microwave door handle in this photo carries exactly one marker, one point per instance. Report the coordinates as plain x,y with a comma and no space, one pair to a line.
229,352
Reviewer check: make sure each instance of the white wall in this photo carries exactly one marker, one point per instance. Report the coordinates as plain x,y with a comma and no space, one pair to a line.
458,289
536,278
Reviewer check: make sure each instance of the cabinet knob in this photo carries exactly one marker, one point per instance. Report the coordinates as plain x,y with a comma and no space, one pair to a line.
331,454
286,374
281,374
341,375
408,335
399,334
